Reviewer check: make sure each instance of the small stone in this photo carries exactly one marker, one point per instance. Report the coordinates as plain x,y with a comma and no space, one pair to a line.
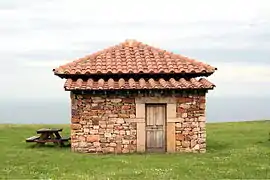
202,124
98,149
178,125
96,127
203,135
184,115
202,151
186,144
92,138
103,140
125,141
76,126
97,98
83,122
202,146
184,106
133,132
201,141
120,121
118,148
113,115
75,120
108,135
197,147
103,126
109,130
111,149
83,144
132,116
102,122
93,131
96,144
192,143
116,100
95,121
128,100
81,138
188,150
128,133
108,112
122,132
123,115
179,137
178,143
125,151
74,144
180,110
202,106
109,126
202,119
125,107
113,144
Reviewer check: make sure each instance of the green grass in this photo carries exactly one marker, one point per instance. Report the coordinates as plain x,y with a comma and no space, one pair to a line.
234,151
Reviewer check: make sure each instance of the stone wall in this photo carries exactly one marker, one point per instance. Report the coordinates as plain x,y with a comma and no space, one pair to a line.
99,126
115,124
190,133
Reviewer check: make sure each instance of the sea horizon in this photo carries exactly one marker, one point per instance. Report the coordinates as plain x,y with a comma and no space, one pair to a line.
57,111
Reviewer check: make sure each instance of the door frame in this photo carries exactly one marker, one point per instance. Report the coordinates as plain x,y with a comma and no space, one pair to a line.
164,128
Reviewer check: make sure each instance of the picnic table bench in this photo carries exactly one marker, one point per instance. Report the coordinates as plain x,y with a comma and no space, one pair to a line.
48,135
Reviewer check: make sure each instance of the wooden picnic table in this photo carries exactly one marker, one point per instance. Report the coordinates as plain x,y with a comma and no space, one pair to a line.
48,135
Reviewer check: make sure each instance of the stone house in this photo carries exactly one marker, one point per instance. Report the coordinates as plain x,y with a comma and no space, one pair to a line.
133,97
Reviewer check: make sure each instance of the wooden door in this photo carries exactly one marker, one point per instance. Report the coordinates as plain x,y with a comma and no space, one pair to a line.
155,128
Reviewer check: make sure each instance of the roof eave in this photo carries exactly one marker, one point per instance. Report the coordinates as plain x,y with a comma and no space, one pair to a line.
160,89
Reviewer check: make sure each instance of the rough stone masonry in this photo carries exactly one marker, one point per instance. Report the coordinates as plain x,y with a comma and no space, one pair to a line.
104,124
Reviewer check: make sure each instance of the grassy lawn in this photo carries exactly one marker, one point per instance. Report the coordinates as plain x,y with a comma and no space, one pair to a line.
235,151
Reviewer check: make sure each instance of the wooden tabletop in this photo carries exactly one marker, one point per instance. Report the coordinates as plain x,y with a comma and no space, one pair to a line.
49,130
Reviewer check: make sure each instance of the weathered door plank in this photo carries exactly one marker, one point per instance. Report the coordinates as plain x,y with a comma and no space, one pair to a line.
155,128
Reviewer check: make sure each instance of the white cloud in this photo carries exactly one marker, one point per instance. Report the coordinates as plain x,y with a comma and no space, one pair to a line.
151,10
188,24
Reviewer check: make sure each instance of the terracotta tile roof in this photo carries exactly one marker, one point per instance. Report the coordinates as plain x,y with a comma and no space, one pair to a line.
111,84
132,56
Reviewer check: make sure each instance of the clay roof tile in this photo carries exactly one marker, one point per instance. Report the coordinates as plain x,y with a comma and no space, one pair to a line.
132,56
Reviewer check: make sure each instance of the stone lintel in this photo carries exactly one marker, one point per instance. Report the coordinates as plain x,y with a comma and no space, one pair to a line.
161,100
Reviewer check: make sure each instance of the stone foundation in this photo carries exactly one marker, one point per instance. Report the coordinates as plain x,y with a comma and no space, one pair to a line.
115,124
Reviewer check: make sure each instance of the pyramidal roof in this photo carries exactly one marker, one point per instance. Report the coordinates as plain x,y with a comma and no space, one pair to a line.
132,57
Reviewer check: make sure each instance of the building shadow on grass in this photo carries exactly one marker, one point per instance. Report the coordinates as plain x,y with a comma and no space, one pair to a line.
213,146
265,143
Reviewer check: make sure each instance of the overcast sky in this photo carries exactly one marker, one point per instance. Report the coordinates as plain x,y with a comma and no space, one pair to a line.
36,36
